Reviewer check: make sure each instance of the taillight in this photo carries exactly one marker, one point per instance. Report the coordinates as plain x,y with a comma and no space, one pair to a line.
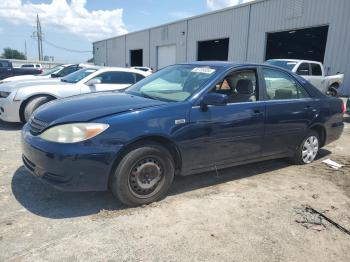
343,106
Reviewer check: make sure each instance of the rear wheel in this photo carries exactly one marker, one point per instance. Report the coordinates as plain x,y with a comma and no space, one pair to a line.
143,176
308,149
34,104
333,90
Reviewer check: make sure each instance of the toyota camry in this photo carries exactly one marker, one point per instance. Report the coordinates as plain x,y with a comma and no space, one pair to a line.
182,120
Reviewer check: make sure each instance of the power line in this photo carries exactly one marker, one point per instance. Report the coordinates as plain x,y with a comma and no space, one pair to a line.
66,49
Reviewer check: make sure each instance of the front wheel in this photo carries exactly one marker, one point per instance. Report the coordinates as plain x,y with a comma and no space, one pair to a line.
143,176
308,149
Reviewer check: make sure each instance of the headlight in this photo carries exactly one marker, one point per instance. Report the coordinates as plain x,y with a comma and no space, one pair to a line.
4,94
73,133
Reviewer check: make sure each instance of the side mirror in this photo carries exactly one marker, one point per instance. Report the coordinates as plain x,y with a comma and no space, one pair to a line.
214,99
54,75
93,82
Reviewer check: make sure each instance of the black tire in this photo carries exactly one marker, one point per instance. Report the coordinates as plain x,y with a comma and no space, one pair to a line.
332,90
299,157
141,168
32,105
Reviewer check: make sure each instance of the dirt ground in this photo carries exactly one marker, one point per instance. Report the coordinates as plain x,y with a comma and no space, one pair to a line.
246,213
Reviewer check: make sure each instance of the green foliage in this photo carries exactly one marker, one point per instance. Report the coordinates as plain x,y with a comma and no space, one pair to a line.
10,53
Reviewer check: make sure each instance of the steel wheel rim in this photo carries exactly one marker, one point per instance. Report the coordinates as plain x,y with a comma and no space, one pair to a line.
310,149
146,177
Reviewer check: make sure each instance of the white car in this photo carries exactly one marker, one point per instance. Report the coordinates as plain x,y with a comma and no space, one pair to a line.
57,71
313,72
18,100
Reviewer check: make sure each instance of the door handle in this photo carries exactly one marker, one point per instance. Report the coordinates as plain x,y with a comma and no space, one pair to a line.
257,112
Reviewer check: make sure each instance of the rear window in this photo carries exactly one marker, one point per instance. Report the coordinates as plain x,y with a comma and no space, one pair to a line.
316,70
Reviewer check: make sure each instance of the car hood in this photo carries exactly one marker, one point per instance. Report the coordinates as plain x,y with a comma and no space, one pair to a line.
25,78
83,108
12,86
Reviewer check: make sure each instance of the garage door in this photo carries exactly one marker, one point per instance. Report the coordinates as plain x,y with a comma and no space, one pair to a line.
306,44
166,55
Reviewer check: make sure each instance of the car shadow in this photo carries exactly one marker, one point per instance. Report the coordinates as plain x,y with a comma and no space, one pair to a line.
45,201
5,126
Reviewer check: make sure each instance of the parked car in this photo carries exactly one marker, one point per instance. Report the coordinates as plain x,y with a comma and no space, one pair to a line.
19,100
143,68
55,72
312,71
32,66
7,70
182,120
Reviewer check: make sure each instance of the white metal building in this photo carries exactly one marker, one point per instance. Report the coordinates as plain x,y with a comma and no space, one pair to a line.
252,32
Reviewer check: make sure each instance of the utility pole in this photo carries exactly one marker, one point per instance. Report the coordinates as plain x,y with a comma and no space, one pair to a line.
25,48
39,36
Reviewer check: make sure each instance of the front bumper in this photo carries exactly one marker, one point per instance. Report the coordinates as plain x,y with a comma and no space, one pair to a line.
84,166
9,109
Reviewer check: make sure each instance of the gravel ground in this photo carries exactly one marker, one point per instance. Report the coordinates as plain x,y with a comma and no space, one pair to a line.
250,213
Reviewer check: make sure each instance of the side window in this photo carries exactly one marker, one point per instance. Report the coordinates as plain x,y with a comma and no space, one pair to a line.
316,70
4,64
67,70
281,86
239,86
304,69
139,77
117,78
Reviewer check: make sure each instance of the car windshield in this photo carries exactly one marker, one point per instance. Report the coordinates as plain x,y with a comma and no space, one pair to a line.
51,71
174,83
78,75
289,65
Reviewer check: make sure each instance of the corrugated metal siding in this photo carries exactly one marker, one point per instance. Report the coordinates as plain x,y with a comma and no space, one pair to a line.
100,51
256,19
139,40
275,15
116,51
173,34
208,27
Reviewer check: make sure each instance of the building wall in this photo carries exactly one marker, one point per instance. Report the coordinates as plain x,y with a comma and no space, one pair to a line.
247,27
138,40
173,34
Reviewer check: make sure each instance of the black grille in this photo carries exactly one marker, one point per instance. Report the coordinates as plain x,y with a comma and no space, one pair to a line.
36,125
30,165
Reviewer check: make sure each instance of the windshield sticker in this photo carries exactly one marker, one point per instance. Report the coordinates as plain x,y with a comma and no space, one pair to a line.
203,70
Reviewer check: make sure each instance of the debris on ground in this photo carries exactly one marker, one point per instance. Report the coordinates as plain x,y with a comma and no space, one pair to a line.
313,219
332,164
315,196
308,219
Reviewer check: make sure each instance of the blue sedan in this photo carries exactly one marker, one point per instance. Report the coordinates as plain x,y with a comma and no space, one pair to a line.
182,120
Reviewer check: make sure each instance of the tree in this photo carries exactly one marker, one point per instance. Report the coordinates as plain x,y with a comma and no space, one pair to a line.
10,53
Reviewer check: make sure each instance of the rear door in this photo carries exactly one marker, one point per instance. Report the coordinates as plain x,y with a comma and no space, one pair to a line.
317,78
289,111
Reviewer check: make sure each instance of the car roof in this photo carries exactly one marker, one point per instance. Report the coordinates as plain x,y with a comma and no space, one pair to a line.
120,69
294,60
224,64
